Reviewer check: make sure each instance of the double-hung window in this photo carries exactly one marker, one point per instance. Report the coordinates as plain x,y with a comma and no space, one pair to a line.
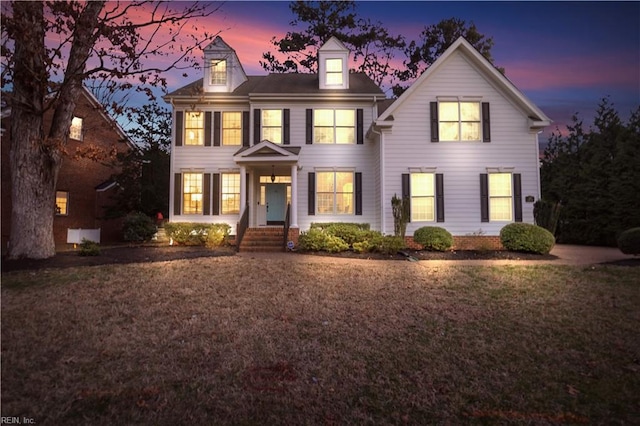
272,125
334,192
230,193
459,121
334,126
75,131
192,197
194,128
422,197
219,71
334,72
62,203
500,197
231,128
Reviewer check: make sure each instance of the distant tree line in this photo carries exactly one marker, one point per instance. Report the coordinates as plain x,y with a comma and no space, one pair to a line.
593,175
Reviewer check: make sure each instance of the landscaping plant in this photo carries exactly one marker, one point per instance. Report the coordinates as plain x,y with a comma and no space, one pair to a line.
629,241
433,238
527,238
138,227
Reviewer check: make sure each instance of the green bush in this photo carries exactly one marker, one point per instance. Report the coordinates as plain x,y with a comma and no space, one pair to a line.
89,248
629,241
527,238
312,240
333,244
138,227
197,234
389,244
433,238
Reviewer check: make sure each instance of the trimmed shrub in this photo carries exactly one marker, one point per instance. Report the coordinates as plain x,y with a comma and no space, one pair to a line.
527,238
313,239
217,235
334,244
389,244
138,227
197,234
433,238
89,248
629,241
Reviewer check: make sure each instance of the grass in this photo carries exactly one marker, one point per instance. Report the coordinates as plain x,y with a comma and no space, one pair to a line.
241,341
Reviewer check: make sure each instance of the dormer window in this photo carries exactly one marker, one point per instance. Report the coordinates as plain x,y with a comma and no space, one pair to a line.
334,72
219,71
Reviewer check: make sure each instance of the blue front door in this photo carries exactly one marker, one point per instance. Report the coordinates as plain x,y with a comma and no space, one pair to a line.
276,195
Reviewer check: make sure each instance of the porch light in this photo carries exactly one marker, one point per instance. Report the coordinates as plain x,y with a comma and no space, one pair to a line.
273,174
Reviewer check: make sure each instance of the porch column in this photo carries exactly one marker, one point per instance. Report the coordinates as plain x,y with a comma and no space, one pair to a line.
243,188
294,196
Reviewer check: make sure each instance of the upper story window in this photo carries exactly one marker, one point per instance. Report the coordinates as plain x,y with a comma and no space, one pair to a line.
192,193
422,197
231,128
334,72
272,125
218,71
194,128
334,192
75,132
334,126
459,121
500,197
62,203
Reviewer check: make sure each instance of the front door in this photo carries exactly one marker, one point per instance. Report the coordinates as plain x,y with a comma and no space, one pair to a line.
276,194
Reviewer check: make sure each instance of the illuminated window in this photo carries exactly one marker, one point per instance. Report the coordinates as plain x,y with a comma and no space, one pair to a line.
422,197
219,72
192,193
231,128
500,197
334,126
194,128
334,192
272,125
75,132
334,72
62,203
230,193
459,121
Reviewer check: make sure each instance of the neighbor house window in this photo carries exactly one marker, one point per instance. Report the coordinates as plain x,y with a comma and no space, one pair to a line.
230,193
422,197
272,125
192,193
334,126
334,72
194,128
500,197
334,192
75,132
62,203
459,121
231,128
219,72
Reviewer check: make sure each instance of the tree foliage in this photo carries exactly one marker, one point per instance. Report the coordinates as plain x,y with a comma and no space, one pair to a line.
595,175
49,50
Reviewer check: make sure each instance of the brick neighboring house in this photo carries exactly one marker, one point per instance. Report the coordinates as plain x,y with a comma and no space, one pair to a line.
85,188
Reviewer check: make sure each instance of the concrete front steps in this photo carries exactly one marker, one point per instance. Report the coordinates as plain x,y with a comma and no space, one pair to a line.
263,239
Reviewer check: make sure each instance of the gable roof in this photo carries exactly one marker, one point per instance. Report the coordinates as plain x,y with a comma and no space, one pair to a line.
333,45
267,151
537,118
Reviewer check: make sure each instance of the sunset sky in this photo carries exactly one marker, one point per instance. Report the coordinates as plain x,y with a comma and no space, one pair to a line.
565,56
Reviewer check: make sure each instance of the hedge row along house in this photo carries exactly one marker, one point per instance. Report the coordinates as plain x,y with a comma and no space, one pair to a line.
287,150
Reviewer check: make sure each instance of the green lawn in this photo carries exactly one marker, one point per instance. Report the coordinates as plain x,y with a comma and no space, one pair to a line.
234,340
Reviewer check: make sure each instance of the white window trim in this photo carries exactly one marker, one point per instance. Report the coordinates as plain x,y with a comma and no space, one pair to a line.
335,193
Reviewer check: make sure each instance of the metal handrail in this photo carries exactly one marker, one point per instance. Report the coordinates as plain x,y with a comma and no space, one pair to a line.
287,222
242,226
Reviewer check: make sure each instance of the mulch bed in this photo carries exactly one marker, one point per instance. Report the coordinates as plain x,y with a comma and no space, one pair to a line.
435,255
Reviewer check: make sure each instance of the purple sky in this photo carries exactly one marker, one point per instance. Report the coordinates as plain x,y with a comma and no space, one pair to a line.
565,56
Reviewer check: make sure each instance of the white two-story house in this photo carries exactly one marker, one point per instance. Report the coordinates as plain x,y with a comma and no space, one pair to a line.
461,144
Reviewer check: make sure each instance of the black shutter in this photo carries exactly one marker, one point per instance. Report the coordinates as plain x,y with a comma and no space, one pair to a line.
406,193
177,193
358,193
286,131
179,129
484,197
215,194
312,194
434,122
206,196
245,128
309,126
207,128
486,123
256,126
517,196
439,197
216,128
360,126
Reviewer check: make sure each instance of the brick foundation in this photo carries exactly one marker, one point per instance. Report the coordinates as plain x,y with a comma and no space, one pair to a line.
465,242
293,235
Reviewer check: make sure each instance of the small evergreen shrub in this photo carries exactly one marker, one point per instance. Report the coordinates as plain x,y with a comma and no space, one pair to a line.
217,235
197,234
89,248
629,241
333,244
312,240
138,227
389,244
433,238
527,238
